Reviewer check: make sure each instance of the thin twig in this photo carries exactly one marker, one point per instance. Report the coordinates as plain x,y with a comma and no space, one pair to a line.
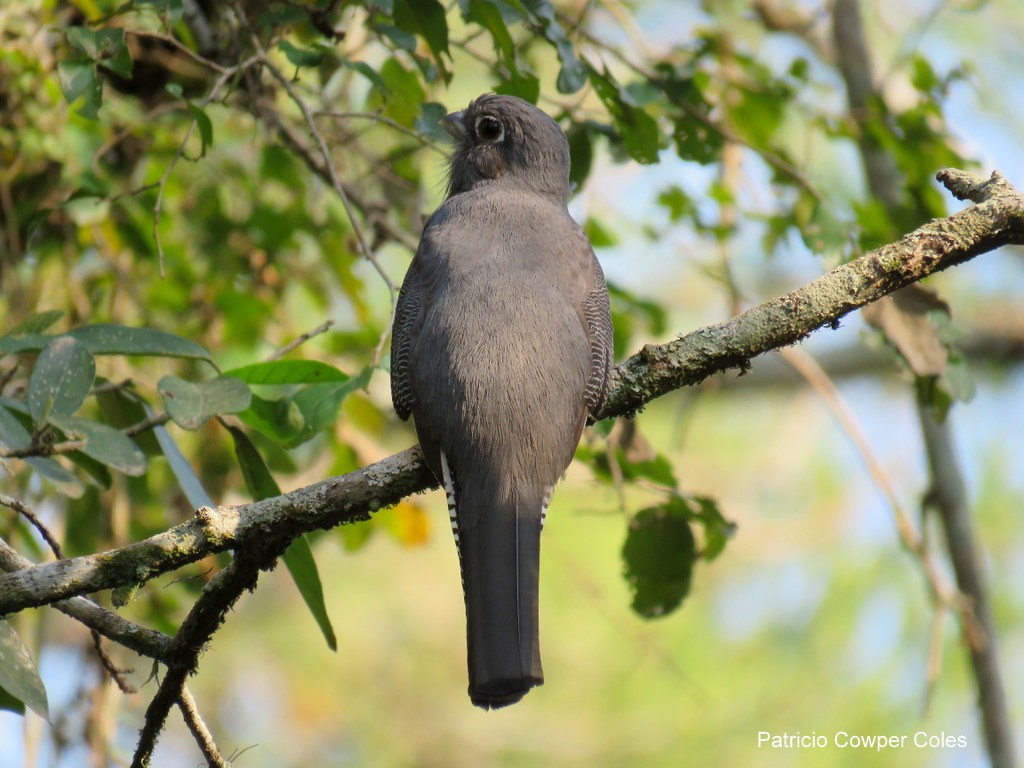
941,593
205,617
887,184
112,386
115,672
7,375
321,144
200,732
375,218
379,118
934,665
225,75
25,511
43,449
299,340
154,421
179,46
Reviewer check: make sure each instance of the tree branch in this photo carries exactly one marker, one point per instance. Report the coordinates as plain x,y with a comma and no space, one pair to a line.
997,220
146,642
202,621
947,493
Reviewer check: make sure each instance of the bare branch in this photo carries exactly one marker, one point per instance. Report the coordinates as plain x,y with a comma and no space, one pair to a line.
202,735
25,511
202,621
115,672
300,340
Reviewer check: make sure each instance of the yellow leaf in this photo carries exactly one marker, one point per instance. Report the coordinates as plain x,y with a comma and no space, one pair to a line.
407,522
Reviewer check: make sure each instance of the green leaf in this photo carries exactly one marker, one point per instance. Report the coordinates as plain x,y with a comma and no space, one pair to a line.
36,323
923,74
191,405
573,74
280,420
581,154
84,39
659,554
354,536
637,129
492,16
171,10
677,203
13,436
487,15
18,674
599,235
104,46
319,404
258,480
11,703
122,408
288,372
399,37
301,565
366,71
301,57
109,339
107,445
188,480
717,530
120,63
429,121
525,85
299,556
60,478
84,523
403,93
78,79
61,379
427,19
204,125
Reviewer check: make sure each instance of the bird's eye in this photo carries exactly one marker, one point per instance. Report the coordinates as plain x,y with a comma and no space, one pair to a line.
489,129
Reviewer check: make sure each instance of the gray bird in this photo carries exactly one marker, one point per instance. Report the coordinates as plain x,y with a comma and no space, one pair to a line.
502,345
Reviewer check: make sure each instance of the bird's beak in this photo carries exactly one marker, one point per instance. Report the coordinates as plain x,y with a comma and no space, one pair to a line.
454,126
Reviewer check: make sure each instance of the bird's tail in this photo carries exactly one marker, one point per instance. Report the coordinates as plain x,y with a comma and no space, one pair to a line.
499,551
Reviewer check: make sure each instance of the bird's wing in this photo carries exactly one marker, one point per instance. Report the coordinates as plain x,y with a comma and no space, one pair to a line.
408,317
597,320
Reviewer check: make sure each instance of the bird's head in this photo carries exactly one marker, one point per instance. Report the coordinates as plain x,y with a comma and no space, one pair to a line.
506,140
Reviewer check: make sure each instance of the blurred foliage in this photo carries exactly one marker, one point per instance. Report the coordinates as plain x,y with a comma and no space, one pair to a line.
169,224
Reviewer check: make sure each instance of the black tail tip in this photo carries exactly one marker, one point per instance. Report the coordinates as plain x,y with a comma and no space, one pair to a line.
502,693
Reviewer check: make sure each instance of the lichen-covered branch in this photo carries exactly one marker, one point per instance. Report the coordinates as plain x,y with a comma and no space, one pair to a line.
147,642
996,220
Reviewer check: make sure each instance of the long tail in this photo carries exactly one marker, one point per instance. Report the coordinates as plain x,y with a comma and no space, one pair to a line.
499,552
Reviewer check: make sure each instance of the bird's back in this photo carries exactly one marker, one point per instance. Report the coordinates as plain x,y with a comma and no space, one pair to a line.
503,353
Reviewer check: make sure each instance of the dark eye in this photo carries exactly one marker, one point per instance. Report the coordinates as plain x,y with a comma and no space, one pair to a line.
489,129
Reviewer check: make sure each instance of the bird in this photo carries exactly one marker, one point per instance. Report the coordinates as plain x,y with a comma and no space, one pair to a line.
501,348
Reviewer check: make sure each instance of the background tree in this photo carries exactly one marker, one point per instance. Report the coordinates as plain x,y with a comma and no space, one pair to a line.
205,209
